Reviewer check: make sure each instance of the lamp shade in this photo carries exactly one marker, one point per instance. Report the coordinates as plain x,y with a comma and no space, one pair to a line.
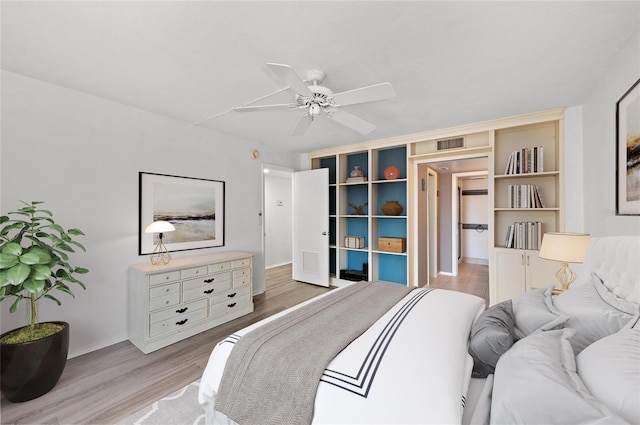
566,247
159,227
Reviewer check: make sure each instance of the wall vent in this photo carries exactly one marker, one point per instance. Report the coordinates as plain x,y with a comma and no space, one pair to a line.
456,143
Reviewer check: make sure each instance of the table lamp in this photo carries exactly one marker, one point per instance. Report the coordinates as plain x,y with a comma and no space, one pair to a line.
566,248
160,253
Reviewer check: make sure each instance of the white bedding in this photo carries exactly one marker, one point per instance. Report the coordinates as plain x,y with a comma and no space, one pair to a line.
416,371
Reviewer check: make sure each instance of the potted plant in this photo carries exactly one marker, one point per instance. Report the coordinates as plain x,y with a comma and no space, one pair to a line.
34,263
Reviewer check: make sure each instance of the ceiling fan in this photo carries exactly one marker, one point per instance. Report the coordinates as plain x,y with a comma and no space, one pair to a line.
315,99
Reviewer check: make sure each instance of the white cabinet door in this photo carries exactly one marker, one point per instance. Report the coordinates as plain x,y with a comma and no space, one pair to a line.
311,226
540,273
510,274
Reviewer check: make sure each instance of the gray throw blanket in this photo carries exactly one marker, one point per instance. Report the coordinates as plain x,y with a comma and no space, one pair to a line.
272,373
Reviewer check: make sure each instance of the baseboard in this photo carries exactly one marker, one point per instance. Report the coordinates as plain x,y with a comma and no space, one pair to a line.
277,265
471,260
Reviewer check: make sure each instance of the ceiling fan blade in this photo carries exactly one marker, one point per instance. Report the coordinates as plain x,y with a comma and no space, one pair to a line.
303,123
365,94
289,76
265,107
351,121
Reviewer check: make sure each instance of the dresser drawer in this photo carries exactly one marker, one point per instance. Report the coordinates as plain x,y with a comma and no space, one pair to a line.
223,303
205,291
158,278
206,280
177,311
176,323
219,267
158,291
164,301
245,262
242,281
238,274
196,271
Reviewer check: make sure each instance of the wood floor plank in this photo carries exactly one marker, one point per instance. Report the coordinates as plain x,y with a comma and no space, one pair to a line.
107,385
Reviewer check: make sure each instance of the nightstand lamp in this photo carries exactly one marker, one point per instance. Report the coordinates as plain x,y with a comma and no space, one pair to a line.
566,248
160,253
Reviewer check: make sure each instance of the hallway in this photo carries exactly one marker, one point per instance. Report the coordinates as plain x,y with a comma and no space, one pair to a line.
472,279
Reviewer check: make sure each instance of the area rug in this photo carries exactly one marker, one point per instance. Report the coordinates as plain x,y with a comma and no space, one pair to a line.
179,408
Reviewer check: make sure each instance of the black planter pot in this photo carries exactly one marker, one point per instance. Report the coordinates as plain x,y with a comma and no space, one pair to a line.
32,369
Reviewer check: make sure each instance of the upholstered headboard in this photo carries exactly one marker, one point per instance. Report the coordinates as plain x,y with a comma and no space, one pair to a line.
616,260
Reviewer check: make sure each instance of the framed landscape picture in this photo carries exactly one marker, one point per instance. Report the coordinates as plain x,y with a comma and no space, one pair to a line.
628,152
194,206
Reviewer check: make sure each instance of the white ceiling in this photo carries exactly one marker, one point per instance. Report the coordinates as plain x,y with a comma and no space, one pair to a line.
451,62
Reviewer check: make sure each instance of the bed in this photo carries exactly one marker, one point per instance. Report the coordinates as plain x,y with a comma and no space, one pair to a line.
438,356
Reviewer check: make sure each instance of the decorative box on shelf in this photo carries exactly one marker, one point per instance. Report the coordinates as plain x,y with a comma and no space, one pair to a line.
392,244
360,179
356,242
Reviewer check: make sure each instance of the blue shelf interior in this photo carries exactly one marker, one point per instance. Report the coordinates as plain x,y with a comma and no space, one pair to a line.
396,191
355,259
392,227
394,156
357,195
332,262
330,163
360,159
332,200
392,268
357,227
332,231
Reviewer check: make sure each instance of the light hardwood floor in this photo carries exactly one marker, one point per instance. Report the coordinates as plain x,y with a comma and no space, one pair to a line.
107,385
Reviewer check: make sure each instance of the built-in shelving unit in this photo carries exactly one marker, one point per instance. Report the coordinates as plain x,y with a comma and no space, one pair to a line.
368,196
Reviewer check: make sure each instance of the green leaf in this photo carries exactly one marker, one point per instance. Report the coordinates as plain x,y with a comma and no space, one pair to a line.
49,213
78,244
33,286
16,303
76,232
12,248
56,227
3,279
18,274
51,297
64,247
29,259
40,272
65,289
43,255
4,219
8,261
81,284
80,270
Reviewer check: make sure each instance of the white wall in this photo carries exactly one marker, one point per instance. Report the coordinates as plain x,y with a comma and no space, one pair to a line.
81,155
278,210
599,133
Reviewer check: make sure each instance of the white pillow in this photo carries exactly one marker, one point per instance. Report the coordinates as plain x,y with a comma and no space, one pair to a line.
590,315
534,311
536,383
610,369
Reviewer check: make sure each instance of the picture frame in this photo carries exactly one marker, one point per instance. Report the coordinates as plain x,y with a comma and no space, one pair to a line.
628,152
195,207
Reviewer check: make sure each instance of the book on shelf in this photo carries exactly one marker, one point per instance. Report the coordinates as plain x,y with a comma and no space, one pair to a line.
525,161
524,196
524,235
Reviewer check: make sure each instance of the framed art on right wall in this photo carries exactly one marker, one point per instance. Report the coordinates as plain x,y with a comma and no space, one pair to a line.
628,152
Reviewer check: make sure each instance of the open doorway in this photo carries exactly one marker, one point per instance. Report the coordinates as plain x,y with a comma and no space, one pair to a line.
277,215
442,227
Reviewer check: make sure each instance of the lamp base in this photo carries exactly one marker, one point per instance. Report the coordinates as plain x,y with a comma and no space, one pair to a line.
160,254
565,276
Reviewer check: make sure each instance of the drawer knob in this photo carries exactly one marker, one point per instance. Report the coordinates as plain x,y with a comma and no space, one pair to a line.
166,302
232,295
182,310
231,305
209,280
182,322
208,291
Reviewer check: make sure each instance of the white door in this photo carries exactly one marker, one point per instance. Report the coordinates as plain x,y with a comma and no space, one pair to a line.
311,226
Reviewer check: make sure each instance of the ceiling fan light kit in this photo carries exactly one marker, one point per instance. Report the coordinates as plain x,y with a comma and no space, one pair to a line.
316,99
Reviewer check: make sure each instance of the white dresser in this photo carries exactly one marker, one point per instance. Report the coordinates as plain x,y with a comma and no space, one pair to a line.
168,303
